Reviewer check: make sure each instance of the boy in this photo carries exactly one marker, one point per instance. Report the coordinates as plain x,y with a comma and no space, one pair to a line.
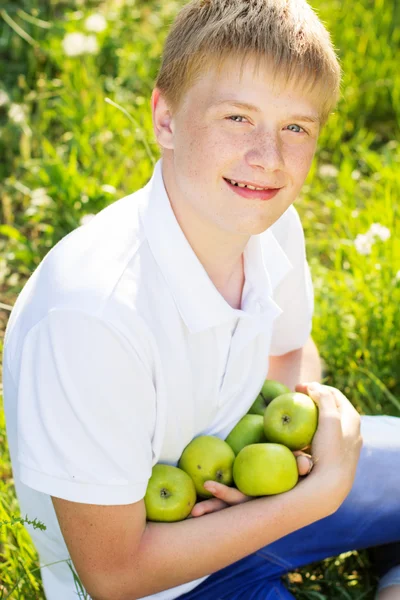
160,320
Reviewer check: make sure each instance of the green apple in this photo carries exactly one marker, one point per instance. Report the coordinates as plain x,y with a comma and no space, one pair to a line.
265,469
291,419
249,430
170,494
207,457
270,390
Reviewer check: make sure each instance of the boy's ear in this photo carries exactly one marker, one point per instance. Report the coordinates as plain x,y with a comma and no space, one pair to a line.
162,120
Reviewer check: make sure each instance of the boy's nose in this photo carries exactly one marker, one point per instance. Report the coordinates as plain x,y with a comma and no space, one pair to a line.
266,154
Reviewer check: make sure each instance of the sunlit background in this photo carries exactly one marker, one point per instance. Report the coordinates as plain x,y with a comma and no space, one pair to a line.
76,135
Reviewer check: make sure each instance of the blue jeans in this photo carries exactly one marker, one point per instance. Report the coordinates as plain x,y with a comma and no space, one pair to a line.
370,516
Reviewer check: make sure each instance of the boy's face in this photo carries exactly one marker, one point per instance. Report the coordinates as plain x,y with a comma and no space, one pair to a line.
210,140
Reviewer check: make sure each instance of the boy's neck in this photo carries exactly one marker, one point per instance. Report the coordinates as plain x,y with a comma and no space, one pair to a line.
233,292
229,281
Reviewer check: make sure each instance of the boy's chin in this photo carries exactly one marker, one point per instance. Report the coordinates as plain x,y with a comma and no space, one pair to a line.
250,229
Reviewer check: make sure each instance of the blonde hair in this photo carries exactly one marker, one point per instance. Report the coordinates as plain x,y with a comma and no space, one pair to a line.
286,34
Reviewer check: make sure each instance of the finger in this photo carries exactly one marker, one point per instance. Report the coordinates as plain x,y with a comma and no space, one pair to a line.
323,397
304,464
329,429
302,388
314,390
333,403
342,401
350,416
208,506
228,494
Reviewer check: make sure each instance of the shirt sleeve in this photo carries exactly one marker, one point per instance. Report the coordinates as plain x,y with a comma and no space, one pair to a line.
86,411
294,294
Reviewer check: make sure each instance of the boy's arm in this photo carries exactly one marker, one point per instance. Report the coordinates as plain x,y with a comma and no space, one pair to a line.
119,556
303,364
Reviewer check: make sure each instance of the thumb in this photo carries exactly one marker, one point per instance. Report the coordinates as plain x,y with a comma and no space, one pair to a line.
231,495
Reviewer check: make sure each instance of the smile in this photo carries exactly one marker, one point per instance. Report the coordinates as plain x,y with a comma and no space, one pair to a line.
251,192
249,186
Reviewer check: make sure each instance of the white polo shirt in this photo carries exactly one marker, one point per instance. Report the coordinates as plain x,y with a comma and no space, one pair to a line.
120,350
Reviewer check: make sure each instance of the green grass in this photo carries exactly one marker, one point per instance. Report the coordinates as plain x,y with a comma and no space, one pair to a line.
65,152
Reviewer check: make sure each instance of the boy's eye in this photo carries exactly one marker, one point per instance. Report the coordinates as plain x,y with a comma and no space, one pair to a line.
299,129
234,117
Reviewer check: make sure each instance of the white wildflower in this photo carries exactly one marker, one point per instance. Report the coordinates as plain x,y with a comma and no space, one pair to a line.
109,189
397,276
86,219
354,213
13,280
92,46
95,23
4,99
328,171
17,113
40,198
39,201
356,175
379,231
363,244
76,44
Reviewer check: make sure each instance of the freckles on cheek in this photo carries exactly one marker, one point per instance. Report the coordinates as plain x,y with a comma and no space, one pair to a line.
302,162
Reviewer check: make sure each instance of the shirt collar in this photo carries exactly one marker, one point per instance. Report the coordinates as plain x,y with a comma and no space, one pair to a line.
199,302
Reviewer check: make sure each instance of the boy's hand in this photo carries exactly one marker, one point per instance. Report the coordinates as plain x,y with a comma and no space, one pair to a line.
337,443
228,496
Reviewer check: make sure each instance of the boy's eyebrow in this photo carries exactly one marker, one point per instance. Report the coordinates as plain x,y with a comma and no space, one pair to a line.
253,107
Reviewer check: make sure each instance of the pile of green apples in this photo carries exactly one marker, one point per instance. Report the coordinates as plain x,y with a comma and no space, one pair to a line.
256,457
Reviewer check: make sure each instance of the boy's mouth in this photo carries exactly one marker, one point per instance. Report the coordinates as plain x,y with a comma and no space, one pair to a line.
248,191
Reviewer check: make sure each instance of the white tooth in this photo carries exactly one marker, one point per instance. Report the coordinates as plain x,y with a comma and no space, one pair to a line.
242,185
